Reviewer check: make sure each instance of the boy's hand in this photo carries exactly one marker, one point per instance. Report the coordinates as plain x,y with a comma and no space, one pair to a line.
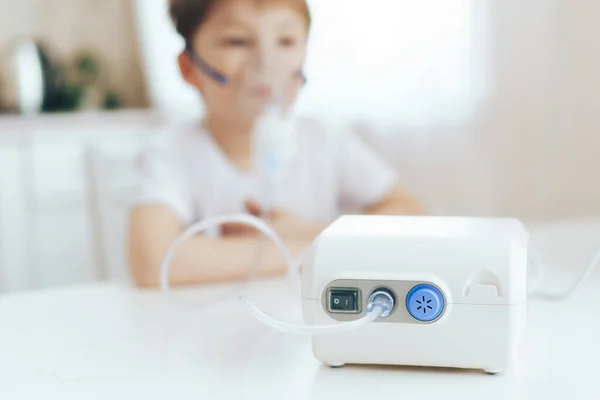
286,224
291,227
235,229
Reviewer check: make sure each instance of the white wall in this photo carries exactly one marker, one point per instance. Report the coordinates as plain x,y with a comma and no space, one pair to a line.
577,142
532,150
542,120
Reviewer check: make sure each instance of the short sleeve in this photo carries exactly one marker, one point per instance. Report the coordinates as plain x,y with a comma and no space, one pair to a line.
162,179
364,176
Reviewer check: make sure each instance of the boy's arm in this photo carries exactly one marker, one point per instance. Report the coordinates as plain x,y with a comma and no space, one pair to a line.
397,202
200,259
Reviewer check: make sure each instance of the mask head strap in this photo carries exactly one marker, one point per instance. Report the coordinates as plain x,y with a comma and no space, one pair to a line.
213,73
204,67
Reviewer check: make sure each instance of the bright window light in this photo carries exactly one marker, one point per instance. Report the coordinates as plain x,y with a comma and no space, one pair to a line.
395,61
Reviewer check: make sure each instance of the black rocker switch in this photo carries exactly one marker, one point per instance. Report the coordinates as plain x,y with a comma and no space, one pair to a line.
343,300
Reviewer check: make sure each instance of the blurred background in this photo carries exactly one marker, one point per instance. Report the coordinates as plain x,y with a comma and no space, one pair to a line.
487,108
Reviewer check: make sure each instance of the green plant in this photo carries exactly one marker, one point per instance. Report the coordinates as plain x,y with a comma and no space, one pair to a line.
85,78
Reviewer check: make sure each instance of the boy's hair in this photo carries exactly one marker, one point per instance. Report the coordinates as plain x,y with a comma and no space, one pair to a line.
188,15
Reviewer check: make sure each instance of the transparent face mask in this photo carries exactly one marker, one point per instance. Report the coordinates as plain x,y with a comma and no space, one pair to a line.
269,75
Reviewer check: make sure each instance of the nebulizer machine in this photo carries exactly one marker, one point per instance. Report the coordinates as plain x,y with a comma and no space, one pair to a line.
399,290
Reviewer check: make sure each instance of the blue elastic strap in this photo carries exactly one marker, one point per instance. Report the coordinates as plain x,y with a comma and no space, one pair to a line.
207,69
212,73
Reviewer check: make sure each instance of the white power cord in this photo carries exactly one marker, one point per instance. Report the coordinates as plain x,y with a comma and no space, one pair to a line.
536,264
536,288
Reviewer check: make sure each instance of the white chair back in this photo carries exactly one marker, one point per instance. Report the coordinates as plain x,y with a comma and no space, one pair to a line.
111,180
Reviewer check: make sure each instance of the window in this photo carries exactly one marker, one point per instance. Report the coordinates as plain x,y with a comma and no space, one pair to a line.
394,61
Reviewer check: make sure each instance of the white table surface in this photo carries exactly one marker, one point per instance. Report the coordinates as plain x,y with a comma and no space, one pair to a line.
107,341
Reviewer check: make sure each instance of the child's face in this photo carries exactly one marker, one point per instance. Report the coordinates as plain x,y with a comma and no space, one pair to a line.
260,48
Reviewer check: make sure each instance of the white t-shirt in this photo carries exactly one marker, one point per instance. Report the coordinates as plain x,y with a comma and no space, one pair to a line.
331,173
